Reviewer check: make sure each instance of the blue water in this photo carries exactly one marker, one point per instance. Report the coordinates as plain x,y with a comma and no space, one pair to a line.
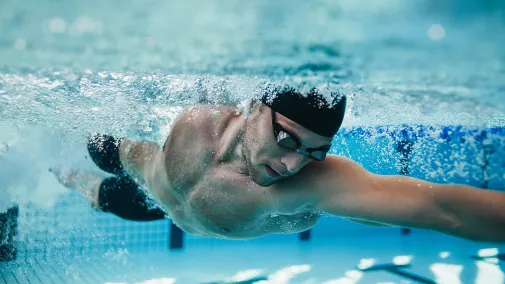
127,68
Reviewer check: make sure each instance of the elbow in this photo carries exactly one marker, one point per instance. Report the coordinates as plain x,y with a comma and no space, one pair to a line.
449,224
473,214
475,230
442,220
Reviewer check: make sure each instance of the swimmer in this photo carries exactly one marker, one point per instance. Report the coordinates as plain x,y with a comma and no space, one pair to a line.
240,174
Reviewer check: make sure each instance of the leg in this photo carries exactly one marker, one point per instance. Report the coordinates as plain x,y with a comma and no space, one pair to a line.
123,197
121,157
120,196
88,184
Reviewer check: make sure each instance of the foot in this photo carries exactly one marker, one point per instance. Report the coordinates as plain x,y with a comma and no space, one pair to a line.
87,183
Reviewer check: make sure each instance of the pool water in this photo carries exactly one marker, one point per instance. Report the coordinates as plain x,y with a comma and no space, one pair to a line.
430,73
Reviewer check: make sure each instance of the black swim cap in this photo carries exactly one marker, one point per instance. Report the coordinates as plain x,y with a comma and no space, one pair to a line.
320,114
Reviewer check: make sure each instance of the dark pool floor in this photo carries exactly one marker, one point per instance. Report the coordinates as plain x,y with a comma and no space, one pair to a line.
434,259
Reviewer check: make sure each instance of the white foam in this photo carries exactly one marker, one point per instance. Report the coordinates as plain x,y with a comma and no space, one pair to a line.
24,165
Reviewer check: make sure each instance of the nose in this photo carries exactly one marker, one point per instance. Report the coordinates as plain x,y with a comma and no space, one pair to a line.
294,162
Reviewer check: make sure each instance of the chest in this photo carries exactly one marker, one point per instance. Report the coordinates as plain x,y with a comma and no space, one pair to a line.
230,205
186,163
224,198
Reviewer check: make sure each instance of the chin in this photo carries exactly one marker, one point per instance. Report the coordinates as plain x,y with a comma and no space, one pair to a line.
261,179
266,183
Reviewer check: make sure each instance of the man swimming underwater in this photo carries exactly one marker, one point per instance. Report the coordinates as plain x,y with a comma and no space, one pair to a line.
237,174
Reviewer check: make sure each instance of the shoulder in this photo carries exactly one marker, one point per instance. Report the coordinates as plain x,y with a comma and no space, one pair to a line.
315,182
196,122
191,146
202,114
334,166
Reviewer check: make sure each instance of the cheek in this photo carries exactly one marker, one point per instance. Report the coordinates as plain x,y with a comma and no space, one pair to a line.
259,140
256,136
257,146
306,162
265,144
251,143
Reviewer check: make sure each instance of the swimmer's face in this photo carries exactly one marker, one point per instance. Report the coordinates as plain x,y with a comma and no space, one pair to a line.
268,162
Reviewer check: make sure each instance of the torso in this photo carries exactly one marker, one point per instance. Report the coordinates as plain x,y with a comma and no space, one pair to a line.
207,191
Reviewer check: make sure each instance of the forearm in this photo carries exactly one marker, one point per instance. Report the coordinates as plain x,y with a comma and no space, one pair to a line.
478,214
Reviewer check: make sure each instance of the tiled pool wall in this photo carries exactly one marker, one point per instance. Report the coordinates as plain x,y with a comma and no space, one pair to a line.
441,154
454,154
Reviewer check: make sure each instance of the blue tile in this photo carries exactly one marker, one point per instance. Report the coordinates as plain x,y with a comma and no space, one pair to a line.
8,275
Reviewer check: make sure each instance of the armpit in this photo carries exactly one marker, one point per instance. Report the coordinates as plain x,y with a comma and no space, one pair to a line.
295,223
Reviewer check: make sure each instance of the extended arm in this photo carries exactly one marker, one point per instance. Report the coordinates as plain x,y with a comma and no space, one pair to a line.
343,188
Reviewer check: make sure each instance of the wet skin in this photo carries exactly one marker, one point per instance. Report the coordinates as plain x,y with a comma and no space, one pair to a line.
222,174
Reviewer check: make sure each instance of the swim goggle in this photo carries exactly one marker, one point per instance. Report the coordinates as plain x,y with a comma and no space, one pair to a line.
287,140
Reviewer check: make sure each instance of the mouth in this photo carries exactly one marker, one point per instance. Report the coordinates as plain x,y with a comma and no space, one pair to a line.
272,173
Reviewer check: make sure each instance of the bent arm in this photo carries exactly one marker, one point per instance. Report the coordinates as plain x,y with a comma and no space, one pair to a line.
139,158
345,189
